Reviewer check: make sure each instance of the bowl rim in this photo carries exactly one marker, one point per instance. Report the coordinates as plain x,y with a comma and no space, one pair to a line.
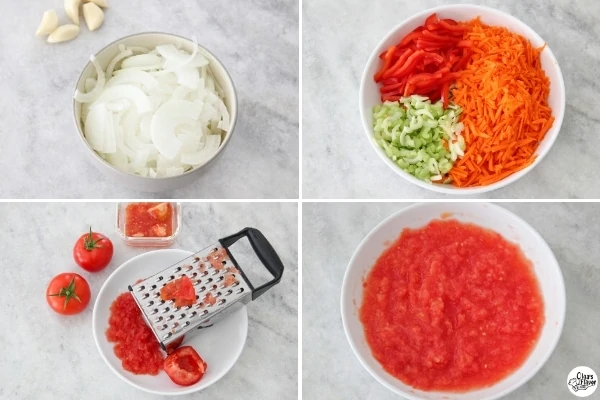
192,389
233,116
445,188
345,295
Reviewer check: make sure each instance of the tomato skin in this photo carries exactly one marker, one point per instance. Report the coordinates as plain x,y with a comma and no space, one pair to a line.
93,251
184,366
73,305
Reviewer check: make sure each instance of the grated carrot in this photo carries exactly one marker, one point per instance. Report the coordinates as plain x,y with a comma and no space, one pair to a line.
503,92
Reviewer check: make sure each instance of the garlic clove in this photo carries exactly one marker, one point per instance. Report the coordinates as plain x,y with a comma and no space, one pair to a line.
49,23
64,33
99,3
72,10
94,16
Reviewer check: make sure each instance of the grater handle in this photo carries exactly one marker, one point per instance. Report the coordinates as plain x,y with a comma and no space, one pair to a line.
265,252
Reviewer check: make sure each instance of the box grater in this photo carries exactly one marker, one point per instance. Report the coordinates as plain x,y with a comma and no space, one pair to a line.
220,284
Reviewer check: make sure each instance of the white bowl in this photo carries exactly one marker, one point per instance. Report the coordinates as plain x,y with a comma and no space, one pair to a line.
151,40
369,92
490,216
220,345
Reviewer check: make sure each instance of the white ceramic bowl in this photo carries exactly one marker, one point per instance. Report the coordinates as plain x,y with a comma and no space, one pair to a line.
369,90
151,40
490,216
220,345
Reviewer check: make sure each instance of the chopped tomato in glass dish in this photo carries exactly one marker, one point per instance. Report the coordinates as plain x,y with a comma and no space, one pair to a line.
149,220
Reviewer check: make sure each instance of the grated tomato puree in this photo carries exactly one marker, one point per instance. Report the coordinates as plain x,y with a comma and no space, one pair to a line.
451,307
136,346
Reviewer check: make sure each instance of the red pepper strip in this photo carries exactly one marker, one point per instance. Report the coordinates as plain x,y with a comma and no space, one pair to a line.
449,21
390,81
432,19
408,90
390,98
404,58
452,27
445,93
387,61
435,37
433,46
433,27
434,96
425,80
391,88
409,38
463,61
410,64
415,79
426,87
433,58
464,43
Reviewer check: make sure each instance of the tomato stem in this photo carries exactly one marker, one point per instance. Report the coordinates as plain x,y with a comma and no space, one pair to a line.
89,243
68,293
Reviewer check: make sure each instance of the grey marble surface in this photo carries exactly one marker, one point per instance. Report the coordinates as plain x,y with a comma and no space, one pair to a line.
46,356
332,232
256,40
338,38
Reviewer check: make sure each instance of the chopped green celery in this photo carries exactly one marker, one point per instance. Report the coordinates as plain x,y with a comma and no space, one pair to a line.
411,133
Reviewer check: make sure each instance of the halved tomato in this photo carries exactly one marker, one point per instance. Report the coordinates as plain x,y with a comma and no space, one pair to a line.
184,366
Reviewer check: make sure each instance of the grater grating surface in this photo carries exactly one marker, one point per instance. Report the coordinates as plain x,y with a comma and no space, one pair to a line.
218,284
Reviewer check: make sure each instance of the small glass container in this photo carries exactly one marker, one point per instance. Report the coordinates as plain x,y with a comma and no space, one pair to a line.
148,241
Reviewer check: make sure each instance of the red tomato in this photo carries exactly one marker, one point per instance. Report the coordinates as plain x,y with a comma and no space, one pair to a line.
68,293
184,366
93,251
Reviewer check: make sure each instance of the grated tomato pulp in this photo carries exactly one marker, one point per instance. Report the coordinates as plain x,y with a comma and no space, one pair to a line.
135,344
451,307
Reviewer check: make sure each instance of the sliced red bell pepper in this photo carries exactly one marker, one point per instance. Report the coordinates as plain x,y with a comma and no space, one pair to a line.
464,43
398,64
410,64
408,90
432,19
462,63
433,58
434,95
452,25
445,93
432,46
390,81
387,61
392,88
409,38
439,38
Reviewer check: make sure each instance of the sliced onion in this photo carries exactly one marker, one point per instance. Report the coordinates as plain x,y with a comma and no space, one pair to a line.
157,113
94,127
138,49
130,92
113,63
149,61
92,95
200,157
89,84
164,122
133,77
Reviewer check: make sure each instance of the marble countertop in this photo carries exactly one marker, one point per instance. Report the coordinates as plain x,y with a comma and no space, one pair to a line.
335,51
332,232
256,41
47,356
